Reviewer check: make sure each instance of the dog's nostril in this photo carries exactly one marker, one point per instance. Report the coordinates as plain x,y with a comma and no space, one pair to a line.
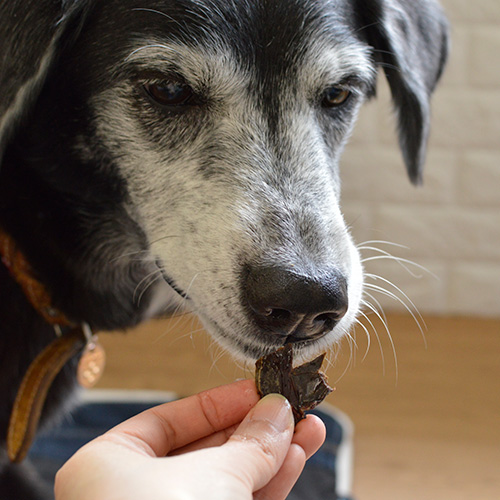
290,304
328,319
271,317
279,314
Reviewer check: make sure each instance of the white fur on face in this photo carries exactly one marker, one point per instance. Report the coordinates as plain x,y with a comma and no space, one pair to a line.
229,193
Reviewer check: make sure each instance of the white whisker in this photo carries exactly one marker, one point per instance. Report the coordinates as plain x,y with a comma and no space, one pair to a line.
137,300
136,252
350,361
415,313
393,296
216,354
368,339
401,261
380,242
369,306
183,302
375,302
386,327
151,46
152,281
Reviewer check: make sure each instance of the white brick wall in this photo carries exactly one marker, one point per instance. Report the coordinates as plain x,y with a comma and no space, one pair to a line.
451,225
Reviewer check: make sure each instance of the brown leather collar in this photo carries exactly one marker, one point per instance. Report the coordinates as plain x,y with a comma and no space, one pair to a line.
36,383
22,272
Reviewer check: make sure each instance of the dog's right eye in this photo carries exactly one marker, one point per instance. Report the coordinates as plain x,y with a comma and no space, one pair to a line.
334,97
170,93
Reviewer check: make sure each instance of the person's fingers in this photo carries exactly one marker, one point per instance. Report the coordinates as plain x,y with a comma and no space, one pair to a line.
308,437
173,425
257,449
217,439
310,434
280,485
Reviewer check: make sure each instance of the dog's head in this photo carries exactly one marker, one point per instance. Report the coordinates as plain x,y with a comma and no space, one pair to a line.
158,152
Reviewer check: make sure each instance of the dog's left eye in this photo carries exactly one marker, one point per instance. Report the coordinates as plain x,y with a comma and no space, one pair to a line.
335,96
170,93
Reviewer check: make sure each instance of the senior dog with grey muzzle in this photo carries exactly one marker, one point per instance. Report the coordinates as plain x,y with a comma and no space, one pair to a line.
185,152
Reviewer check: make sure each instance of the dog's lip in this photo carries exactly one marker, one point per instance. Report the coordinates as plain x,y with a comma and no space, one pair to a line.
170,282
257,352
293,339
249,351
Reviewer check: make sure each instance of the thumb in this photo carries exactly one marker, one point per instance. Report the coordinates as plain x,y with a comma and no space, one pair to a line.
260,444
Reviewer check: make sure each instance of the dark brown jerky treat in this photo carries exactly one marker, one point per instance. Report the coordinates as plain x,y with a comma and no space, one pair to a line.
304,387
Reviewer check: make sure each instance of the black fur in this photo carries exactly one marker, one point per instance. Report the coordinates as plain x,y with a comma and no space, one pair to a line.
413,62
69,210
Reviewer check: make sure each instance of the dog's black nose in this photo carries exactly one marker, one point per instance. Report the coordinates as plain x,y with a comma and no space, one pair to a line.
294,305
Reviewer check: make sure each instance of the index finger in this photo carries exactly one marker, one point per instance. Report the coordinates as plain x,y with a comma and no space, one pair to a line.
167,427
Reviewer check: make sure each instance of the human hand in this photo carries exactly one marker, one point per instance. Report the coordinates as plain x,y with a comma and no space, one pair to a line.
222,444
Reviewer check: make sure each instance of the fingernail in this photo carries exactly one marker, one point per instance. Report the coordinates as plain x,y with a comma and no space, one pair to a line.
276,409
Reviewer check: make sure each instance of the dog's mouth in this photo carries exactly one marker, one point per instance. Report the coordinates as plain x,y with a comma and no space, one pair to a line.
170,282
263,317
251,343
164,295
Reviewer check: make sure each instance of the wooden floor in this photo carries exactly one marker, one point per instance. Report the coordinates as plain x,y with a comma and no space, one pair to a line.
428,430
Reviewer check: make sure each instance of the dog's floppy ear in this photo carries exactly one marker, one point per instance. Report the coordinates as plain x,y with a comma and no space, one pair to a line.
410,42
30,34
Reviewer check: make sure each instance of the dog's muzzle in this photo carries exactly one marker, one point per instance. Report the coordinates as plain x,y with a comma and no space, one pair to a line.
295,306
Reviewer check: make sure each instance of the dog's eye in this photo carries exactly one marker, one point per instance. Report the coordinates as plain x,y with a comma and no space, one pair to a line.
170,93
335,96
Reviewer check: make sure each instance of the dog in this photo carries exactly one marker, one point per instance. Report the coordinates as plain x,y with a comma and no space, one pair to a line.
157,154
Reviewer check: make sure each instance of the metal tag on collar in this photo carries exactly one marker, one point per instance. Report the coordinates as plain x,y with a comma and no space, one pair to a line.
92,360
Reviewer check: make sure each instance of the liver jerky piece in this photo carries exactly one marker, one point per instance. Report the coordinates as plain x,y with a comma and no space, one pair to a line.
304,387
